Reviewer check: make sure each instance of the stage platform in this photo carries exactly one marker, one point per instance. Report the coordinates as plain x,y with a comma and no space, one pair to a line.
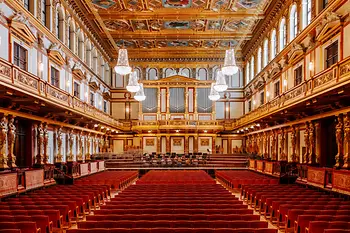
178,168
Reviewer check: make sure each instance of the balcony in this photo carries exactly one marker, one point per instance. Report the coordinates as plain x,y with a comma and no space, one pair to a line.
39,92
331,79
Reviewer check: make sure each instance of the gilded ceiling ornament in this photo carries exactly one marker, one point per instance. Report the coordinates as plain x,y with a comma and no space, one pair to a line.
120,24
104,4
198,25
235,25
176,3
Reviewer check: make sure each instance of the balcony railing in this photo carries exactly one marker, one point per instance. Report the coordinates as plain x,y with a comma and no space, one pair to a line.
326,80
189,124
24,81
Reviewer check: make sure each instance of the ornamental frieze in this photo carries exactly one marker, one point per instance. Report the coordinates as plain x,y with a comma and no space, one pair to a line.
323,79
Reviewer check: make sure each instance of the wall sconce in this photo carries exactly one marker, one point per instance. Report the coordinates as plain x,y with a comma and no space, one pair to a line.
0,40
102,127
254,102
205,131
96,125
177,131
311,65
67,83
41,66
227,109
149,131
86,94
285,82
126,109
267,94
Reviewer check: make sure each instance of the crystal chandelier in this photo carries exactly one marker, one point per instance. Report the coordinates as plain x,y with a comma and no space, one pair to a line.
122,66
220,84
214,95
230,66
140,95
133,85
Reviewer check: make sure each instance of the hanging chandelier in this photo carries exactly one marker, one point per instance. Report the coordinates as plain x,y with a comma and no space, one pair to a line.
133,85
220,84
140,95
122,66
230,66
213,95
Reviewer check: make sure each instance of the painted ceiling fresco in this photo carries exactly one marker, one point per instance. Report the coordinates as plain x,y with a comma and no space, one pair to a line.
186,26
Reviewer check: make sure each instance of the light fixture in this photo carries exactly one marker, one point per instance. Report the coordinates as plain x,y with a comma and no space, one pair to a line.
213,95
107,129
95,125
133,85
205,131
100,102
254,102
252,127
227,109
177,131
267,94
86,94
113,130
126,109
102,127
68,83
311,65
237,131
258,125
122,66
242,130
220,84
149,131
230,66
140,95
285,82
41,66
116,131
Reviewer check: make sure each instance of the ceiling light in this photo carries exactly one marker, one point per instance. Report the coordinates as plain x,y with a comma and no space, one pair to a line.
133,85
140,95
177,131
95,125
122,66
220,84
214,95
230,66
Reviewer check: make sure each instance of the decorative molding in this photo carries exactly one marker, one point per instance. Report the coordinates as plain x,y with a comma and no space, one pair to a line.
327,26
296,53
54,53
19,23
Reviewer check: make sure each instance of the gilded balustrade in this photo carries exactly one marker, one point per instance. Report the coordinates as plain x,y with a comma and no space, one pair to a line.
16,78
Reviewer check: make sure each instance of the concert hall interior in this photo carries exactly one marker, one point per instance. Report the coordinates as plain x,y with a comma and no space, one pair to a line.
161,116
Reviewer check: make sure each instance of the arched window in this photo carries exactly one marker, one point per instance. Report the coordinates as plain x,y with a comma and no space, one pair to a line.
283,34
60,23
247,72
258,65
29,5
152,74
306,8
88,53
138,72
273,44
293,22
266,52
45,12
252,66
202,74
94,60
71,36
170,72
81,49
186,72
214,71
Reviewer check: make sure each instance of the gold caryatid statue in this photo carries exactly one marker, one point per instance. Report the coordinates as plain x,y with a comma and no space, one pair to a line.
58,158
3,141
11,138
70,146
293,139
40,142
45,143
339,133
347,142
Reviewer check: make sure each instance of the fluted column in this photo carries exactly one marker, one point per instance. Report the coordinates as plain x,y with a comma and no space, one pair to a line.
58,141
11,138
3,141
340,141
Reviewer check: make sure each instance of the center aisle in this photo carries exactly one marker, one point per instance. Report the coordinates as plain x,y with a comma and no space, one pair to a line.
174,201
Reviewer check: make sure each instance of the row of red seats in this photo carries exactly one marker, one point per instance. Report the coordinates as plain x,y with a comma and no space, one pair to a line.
171,230
54,208
116,179
181,201
298,209
235,179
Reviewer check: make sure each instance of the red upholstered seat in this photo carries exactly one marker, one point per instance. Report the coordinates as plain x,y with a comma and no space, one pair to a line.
304,220
320,226
42,221
10,231
25,227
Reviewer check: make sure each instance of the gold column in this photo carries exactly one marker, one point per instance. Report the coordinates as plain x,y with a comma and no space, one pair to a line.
168,103
186,103
45,143
186,146
213,145
58,157
168,144
11,137
195,144
3,141
307,143
40,141
340,140
158,145
347,141
265,143
88,144
195,103
158,104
